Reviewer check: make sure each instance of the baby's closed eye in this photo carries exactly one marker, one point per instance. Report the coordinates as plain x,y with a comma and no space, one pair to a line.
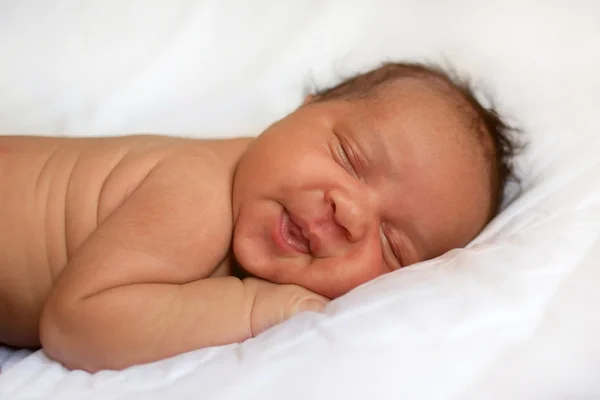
390,247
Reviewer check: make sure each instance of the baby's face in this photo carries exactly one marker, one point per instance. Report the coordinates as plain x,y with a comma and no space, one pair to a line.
340,192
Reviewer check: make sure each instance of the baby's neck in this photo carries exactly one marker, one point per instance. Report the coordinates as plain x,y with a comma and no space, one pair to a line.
231,151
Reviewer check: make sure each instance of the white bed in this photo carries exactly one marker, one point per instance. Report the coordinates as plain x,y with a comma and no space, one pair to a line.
514,316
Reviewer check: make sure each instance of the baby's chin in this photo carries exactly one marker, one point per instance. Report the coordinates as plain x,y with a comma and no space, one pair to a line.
252,260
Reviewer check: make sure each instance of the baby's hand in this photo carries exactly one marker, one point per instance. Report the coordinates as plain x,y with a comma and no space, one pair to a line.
275,303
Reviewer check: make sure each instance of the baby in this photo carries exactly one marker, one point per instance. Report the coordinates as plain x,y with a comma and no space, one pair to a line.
125,250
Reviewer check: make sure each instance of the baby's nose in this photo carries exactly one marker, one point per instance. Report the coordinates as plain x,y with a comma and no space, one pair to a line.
352,212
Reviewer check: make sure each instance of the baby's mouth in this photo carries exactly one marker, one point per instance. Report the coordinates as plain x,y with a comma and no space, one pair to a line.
292,235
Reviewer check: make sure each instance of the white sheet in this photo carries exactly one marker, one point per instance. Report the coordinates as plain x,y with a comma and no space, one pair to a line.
514,316
10,356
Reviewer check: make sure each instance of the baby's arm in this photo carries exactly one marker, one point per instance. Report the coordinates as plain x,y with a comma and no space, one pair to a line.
145,322
136,290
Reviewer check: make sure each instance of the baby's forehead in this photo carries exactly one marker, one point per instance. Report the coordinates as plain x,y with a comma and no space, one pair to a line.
438,97
412,106
431,96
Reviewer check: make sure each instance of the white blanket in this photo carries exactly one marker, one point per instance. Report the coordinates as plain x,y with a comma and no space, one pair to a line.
514,316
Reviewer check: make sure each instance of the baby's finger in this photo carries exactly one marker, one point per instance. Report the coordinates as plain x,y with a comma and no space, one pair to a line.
312,304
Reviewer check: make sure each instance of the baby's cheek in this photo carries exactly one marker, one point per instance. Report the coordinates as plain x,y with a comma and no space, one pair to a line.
367,267
374,266
334,277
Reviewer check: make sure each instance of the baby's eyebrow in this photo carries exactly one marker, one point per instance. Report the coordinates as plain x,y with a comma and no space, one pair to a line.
373,138
372,147
386,159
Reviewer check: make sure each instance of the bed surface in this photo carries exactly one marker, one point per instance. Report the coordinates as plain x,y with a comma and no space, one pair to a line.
515,315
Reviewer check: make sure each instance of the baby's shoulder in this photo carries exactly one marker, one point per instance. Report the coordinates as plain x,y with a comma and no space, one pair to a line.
174,203
171,169
196,165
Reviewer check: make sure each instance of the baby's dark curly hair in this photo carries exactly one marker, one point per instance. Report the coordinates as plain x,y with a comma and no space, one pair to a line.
485,122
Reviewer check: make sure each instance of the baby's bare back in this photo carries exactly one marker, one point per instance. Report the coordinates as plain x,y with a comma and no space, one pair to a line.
53,193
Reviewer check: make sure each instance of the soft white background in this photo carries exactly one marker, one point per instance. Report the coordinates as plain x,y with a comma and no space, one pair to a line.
514,316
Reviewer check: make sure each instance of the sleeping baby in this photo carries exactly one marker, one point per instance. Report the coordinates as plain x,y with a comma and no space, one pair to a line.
125,250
